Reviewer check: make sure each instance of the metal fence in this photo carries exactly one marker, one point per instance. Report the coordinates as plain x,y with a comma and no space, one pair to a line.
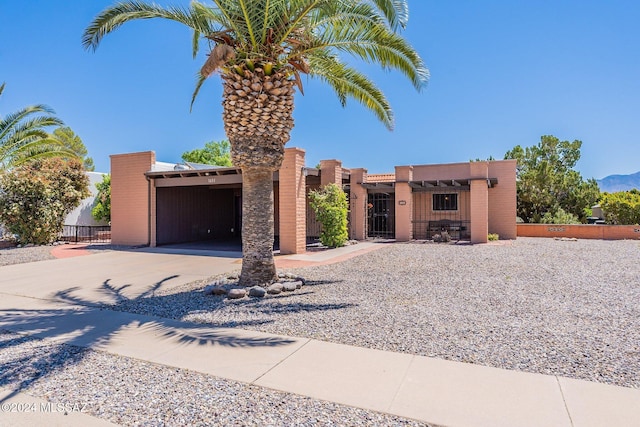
86,233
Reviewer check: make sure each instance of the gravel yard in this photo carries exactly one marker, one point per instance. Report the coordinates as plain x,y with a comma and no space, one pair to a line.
9,256
569,308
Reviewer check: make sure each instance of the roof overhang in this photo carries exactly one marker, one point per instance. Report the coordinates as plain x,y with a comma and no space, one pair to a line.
378,185
448,184
195,177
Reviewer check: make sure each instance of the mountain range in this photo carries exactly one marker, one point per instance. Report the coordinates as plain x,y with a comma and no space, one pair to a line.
613,183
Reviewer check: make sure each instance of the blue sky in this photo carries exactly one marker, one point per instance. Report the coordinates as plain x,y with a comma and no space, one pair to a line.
503,73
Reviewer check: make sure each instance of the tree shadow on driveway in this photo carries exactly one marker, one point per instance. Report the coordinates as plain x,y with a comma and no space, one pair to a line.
70,324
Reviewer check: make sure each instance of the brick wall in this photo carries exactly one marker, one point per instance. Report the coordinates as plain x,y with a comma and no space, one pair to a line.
404,203
330,172
580,231
292,202
130,216
503,199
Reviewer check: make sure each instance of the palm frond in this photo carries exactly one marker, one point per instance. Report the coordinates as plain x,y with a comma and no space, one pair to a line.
296,36
298,13
348,82
360,31
113,17
249,22
395,11
24,120
199,82
29,154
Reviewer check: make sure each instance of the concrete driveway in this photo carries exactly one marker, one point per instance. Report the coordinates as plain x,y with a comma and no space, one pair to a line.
106,277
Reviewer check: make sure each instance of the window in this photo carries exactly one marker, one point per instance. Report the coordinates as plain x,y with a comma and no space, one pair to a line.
445,202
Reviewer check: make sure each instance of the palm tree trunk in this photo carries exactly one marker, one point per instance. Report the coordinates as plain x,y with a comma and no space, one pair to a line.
258,120
258,266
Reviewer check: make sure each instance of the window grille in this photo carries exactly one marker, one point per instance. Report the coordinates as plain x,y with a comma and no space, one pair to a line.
445,202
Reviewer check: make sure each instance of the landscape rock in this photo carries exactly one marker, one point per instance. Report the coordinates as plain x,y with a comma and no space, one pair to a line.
257,291
215,289
298,284
275,289
236,293
290,286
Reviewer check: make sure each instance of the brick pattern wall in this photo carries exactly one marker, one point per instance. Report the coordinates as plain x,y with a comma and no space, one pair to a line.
404,203
381,177
130,198
503,199
330,172
292,203
479,211
580,231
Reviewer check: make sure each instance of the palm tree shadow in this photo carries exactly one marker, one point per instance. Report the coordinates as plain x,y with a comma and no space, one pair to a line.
78,324
182,304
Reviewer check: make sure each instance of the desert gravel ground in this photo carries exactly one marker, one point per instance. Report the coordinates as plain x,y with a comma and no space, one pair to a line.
569,308
131,392
9,256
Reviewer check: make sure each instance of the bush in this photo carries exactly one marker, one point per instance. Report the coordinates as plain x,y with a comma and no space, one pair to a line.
559,217
331,207
36,197
492,237
622,208
102,207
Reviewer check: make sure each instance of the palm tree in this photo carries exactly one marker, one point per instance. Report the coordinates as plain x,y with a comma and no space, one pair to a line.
23,135
260,48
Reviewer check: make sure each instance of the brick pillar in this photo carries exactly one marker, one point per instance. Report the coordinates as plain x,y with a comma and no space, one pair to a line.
358,204
130,198
292,203
330,172
404,203
479,202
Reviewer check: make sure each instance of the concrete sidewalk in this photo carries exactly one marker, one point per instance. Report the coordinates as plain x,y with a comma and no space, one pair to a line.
432,390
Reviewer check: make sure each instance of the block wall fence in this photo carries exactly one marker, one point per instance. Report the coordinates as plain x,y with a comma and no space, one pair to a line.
580,231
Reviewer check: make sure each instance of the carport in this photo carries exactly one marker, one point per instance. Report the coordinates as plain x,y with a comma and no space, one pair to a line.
200,204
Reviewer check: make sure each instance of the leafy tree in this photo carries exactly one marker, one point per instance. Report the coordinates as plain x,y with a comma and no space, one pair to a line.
213,153
102,208
547,182
260,49
24,132
622,207
37,196
331,208
71,141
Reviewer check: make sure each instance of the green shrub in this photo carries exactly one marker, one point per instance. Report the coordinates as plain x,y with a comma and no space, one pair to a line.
331,207
559,217
622,208
492,237
102,206
36,197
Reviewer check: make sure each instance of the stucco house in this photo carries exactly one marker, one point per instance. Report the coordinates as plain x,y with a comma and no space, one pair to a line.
155,203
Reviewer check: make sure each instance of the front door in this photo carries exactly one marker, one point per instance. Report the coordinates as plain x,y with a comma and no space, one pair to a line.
381,215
